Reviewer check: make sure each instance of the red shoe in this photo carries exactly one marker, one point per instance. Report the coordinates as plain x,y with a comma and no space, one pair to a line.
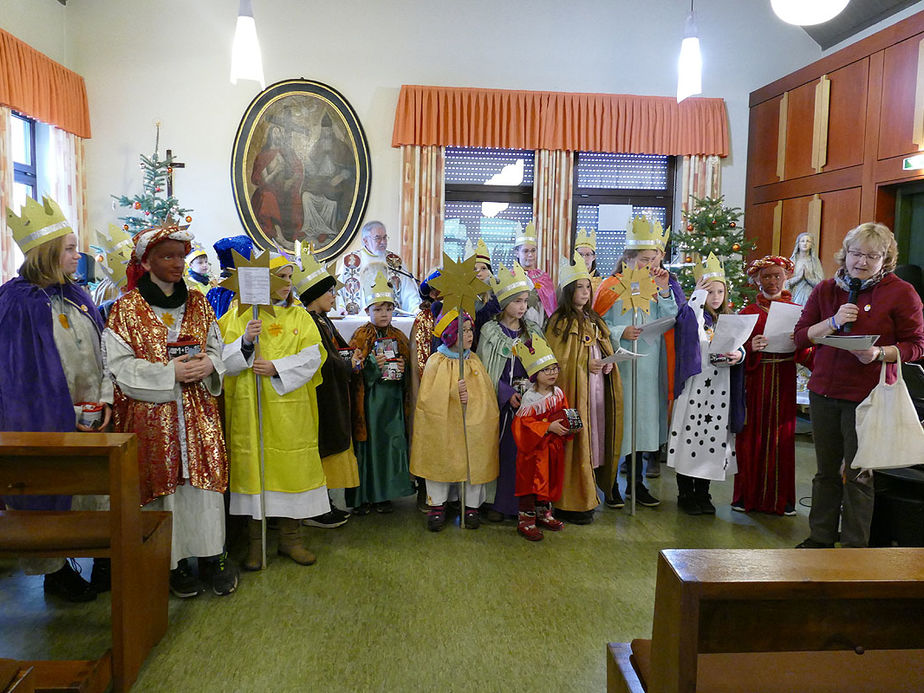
544,518
527,527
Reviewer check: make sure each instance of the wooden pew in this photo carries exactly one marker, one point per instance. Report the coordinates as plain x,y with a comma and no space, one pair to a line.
780,620
137,542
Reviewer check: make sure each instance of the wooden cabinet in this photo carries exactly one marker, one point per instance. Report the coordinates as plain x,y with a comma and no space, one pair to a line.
847,115
800,123
896,113
840,212
759,225
763,141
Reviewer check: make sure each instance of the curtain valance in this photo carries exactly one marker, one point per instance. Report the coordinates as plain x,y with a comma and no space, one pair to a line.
457,116
37,86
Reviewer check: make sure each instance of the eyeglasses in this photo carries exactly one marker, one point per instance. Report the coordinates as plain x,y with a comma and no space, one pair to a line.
872,257
551,369
380,238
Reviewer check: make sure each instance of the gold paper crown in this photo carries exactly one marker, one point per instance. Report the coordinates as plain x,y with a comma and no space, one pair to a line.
197,250
310,271
527,235
37,223
711,270
568,273
117,247
510,282
586,240
540,357
641,234
380,292
482,254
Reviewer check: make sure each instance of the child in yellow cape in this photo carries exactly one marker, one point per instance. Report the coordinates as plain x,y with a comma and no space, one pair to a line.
438,448
289,358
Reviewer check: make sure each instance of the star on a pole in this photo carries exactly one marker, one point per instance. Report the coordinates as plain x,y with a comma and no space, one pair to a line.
635,289
254,268
458,284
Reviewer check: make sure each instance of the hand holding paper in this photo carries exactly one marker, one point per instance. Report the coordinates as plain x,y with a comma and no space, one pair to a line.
731,332
781,323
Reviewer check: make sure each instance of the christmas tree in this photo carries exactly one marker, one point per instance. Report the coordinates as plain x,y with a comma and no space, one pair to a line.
712,227
156,202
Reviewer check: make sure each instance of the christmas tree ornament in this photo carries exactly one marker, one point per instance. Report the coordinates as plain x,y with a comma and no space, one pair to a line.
689,227
188,219
137,205
688,258
736,247
733,224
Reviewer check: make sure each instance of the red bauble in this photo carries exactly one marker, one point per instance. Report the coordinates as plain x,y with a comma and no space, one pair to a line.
714,222
137,205
731,304
188,219
689,227
170,169
147,213
733,224
736,247
156,189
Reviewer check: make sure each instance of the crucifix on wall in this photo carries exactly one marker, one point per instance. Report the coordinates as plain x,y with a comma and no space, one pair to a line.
173,165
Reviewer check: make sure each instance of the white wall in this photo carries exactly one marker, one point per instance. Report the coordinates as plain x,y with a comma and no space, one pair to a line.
169,60
40,23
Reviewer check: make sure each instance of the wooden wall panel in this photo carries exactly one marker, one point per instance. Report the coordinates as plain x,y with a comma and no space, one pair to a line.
795,221
840,212
896,114
799,128
758,226
847,115
762,142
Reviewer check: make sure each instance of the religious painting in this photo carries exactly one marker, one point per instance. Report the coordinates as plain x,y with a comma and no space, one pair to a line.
300,168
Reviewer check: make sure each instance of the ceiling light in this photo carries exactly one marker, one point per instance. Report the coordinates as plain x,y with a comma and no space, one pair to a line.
246,62
807,12
690,63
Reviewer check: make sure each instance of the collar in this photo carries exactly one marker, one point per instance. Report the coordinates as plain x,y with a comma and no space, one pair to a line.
452,353
153,294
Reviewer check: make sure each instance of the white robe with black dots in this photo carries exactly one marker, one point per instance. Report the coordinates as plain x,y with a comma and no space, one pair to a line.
700,443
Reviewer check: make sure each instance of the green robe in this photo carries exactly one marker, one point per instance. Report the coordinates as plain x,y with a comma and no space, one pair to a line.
651,396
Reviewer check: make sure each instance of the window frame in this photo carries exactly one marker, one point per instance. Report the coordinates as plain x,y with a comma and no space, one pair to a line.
26,174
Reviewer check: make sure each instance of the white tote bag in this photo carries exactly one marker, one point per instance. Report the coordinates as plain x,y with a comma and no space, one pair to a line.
889,434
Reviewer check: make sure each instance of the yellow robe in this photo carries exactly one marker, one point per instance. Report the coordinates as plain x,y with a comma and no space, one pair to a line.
290,421
438,448
572,349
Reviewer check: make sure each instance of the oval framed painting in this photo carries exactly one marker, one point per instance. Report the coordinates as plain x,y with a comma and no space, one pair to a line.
300,168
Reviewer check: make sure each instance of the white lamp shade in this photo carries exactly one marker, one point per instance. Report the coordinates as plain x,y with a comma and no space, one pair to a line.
807,12
689,69
246,62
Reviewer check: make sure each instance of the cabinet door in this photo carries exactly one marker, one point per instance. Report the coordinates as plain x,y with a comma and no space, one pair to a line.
763,139
840,212
899,80
795,221
847,115
758,226
800,126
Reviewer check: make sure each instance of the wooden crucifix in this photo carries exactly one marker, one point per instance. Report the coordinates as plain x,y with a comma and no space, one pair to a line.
172,165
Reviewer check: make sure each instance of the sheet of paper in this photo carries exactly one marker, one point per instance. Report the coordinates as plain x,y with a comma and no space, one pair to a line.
781,321
651,331
731,332
850,342
254,286
622,355
613,217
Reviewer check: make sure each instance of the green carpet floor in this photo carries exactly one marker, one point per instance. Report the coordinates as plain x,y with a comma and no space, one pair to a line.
392,607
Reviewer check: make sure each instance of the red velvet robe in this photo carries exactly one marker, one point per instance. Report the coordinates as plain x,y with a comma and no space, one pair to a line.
540,455
766,446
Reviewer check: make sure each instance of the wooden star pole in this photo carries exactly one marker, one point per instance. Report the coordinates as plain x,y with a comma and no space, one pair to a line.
459,286
256,269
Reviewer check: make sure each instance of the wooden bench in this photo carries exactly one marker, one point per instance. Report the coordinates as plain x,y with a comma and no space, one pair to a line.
137,542
780,620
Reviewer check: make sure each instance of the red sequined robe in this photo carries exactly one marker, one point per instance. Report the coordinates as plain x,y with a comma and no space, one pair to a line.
157,424
766,446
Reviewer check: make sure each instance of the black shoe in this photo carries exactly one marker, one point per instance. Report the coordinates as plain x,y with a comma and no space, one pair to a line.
643,497
705,504
436,518
101,575
67,584
812,544
575,517
363,509
789,511
689,505
183,583
738,507
472,519
616,502
383,508
223,574
329,520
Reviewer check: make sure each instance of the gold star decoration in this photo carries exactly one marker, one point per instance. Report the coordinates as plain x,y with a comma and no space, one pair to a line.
167,319
458,284
635,289
261,261
274,329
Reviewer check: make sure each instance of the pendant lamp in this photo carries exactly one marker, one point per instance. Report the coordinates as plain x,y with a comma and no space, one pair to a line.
690,63
807,12
246,62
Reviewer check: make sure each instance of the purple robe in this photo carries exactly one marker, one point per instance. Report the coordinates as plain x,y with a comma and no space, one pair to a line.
33,388
505,500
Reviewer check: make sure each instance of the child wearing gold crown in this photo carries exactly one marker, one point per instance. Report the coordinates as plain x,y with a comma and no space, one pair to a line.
585,244
496,350
580,341
198,267
382,356
644,240
50,339
170,403
284,347
540,431
542,299
445,451
709,404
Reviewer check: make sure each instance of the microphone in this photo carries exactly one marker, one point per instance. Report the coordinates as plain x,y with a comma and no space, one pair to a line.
852,298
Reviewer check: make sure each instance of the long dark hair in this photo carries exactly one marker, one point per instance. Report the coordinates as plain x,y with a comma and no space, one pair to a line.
564,318
523,329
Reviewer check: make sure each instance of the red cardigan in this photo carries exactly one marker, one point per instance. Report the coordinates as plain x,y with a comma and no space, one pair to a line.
891,309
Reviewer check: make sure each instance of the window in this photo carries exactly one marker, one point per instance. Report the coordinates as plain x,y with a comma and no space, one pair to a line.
489,194
609,188
25,180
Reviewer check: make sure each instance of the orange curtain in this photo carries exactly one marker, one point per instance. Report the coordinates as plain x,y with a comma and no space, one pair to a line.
701,176
456,116
37,86
7,263
422,193
552,206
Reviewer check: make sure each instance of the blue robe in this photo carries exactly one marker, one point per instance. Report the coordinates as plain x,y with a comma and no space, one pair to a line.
651,396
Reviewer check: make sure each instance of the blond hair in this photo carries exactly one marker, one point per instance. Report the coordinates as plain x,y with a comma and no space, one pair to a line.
873,233
42,265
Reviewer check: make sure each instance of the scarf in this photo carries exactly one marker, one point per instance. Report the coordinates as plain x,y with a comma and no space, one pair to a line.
155,296
843,280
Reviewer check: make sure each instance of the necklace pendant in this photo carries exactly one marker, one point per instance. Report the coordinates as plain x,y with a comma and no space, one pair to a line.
65,323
